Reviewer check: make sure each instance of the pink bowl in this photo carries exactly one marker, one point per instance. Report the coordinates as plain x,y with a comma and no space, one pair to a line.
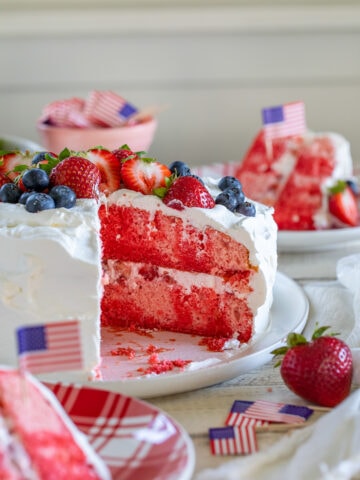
138,136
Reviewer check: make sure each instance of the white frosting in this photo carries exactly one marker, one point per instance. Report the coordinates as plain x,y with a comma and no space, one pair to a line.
258,234
50,267
50,271
343,171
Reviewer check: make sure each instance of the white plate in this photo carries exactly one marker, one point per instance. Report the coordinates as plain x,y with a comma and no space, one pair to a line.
302,241
132,436
123,374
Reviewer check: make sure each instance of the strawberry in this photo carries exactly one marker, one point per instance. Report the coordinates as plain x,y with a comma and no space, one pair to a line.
144,174
343,204
10,160
188,191
4,179
78,173
320,371
123,153
109,167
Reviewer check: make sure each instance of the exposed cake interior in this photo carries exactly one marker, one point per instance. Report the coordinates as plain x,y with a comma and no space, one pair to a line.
37,439
293,174
185,272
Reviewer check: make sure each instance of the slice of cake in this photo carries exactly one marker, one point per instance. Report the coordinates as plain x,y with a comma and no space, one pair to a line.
37,439
148,247
295,175
199,271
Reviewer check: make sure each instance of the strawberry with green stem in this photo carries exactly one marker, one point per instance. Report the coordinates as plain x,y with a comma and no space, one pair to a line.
343,203
320,370
143,174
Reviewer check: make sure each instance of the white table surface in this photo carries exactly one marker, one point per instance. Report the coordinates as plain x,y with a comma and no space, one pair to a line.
199,410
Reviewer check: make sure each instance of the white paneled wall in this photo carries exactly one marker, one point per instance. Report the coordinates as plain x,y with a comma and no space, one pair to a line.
213,67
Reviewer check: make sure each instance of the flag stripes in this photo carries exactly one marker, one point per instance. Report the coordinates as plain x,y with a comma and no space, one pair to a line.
50,347
284,121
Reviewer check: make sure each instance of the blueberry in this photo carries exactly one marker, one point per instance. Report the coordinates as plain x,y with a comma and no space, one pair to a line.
246,208
228,181
63,196
40,157
37,202
228,199
180,169
10,193
35,179
24,196
239,194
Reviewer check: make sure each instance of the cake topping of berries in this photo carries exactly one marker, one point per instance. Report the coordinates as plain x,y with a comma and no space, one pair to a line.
188,191
319,370
78,173
123,153
109,166
233,198
180,169
144,174
343,204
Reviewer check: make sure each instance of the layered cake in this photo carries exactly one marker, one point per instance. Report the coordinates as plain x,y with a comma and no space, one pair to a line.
142,246
37,439
299,175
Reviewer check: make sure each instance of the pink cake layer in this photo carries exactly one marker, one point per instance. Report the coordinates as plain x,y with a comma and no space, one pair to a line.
53,452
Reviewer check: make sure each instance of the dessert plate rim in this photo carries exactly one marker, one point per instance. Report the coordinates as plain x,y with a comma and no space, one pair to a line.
137,437
315,240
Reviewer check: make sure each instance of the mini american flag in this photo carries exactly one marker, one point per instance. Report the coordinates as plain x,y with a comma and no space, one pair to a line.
284,120
108,109
50,347
233,440
268,411
239,420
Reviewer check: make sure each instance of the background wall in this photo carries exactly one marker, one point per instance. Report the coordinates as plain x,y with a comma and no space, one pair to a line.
214,64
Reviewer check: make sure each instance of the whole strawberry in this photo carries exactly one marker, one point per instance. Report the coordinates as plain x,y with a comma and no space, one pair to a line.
78,173
320,371
188,191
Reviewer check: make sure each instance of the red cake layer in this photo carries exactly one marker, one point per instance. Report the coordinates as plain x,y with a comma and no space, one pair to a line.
145,296
163,273
132,234
38,427
293,187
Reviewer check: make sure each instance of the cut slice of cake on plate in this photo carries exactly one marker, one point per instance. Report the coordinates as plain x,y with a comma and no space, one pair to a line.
37,439
296,170
143,245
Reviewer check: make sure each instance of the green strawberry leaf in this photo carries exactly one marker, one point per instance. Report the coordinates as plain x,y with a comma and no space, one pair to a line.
160,192
64,154
294,339
339,187
279,351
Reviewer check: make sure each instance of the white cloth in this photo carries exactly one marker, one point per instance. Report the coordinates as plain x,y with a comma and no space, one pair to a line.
329,449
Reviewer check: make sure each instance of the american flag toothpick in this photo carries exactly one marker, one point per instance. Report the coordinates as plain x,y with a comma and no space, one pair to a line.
50,347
